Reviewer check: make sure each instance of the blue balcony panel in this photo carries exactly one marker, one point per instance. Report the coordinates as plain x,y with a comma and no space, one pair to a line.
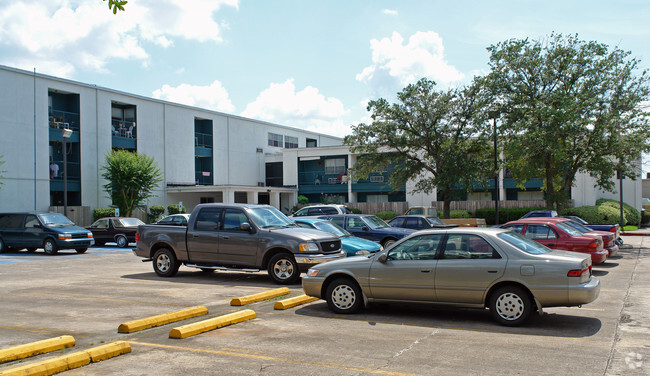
202,152
533,183
57,185
323,188
124,142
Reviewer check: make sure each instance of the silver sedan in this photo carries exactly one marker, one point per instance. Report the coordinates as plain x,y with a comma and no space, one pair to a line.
464,267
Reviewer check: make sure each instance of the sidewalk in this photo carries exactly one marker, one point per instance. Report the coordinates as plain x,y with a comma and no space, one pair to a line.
631,349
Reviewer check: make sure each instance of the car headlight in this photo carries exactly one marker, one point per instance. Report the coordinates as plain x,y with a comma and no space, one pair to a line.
308,247
361,252
65,236
90,235
312,272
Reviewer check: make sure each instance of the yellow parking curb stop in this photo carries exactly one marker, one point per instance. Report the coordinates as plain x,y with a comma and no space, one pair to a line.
70,361
36,348
211,324
165,318
259,297
292,302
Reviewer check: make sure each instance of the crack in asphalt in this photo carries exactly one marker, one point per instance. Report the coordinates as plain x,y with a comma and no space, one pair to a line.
409,348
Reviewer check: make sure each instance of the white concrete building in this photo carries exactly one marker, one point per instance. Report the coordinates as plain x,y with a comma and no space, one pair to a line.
204,155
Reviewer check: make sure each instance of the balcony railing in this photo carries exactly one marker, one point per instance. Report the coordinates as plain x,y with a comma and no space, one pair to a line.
56,173
203,177
123,128
203,140
63,119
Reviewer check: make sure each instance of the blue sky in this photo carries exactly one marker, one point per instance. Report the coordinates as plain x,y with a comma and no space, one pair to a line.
306,64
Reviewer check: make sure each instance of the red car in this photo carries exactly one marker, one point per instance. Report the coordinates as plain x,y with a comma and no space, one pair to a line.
555,234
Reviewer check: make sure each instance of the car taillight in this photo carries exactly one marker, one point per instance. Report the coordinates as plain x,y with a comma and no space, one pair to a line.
577,272
137,237
593,244
613,229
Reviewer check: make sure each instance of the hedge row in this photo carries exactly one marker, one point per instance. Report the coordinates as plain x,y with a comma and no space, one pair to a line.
505,214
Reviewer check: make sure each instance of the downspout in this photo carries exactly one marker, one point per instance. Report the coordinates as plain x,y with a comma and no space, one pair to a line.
35,208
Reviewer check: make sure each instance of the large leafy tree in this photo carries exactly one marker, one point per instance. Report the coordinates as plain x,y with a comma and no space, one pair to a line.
430,137
115,5
569,106
132,177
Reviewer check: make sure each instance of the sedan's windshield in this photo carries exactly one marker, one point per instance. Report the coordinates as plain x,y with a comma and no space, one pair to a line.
568,229
266,217
435,221
128,222
525,244
578,226
332,228
375,222
55,219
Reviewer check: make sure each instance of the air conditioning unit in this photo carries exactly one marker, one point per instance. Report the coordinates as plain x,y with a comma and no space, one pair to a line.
260,150
376,179
260,184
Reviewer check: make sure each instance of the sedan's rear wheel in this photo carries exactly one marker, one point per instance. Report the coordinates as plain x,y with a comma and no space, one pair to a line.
510,305
344,296
121,241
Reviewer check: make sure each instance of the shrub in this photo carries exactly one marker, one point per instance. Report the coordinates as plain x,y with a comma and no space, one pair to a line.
356,211
103,212
173,209
645,217
631,216
460,214
505,214
303,200
386,215
155,212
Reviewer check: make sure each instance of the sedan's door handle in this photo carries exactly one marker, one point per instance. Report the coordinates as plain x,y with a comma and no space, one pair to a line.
225,237
425,270
492,271
551,244
195,236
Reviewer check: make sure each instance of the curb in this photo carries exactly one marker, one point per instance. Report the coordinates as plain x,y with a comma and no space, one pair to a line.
211,324
292,302
36,348
70,361
165,318
635,233
260,296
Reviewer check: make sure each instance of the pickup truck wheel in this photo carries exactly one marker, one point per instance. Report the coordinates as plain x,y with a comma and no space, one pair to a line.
344,296
49,246
165,263
282,269
121,241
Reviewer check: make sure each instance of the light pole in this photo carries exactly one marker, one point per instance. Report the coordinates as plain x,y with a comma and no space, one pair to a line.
66,133
496,176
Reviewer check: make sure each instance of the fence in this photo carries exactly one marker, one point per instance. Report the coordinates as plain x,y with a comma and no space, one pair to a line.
376,207
472,206
81,215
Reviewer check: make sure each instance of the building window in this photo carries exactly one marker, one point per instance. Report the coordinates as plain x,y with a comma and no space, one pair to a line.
312,143
275,140
335,166
290,142
530,195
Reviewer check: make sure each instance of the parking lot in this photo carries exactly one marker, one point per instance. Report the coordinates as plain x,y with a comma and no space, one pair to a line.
88,296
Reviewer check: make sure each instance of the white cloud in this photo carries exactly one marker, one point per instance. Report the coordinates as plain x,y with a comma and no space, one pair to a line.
390,12
213,97
86,35
396,64
306,109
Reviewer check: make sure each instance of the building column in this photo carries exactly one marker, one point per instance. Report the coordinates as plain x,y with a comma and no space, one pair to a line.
229,196
274,199
251,197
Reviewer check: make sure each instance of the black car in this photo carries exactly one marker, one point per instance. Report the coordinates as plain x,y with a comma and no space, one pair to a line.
418,222
50,231
120,230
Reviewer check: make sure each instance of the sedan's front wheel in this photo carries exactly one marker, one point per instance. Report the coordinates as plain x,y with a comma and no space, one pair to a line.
510,305
121,241
344,296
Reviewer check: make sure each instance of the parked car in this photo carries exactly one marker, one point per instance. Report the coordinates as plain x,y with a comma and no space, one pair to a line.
352,245
557,235
462,267
174,220
609,239
419,222
615,228
51,231
318,210
242,237
369,227
539,213
422,210
120,230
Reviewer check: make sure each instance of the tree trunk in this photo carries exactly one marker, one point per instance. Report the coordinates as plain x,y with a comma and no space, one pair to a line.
446,207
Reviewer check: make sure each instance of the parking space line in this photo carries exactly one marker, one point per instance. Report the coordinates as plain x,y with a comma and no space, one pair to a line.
242,354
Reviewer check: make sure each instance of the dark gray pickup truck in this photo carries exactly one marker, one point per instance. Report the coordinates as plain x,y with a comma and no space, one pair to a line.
240,237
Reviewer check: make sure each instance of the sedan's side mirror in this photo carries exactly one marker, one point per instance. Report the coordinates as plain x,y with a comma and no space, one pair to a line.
382,258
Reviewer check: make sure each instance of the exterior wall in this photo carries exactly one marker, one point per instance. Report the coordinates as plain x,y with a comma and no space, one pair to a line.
165,131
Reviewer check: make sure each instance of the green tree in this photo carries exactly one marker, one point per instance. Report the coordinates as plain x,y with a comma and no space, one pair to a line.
116,5
431,137
569,106
131,177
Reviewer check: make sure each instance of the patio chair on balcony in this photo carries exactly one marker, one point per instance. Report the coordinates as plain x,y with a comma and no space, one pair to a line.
114,131
129,132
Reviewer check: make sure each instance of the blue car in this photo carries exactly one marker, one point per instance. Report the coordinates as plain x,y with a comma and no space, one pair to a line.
352,245
370,227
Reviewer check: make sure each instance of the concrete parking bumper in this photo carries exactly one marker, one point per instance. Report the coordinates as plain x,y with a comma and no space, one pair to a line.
165,318
36,348
211,324
293,302
260,296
